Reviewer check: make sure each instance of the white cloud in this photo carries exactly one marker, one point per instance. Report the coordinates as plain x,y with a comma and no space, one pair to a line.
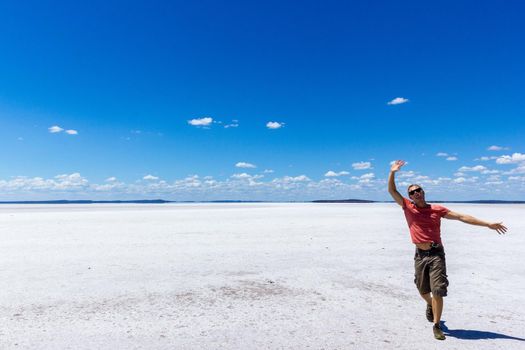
464,180
245,165
331,173
367,178
72,180
398,101
452,158
406,174
362,165
233,124
494,183
494,178
55,129
513,159
250,180
497,148
518,170
248,187
274,125
206,121
60,183
241,176
71,132
474,168
300,178
268,171
442,154
392,162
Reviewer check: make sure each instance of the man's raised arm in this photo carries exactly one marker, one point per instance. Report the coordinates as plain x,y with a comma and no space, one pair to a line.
392,182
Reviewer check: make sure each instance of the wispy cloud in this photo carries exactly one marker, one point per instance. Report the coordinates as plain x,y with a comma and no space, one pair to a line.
246,186
245,165
233,124
520,169
474,168
365,179
300,178
206,121
448,157
393,162
60,183
484,159
398,101
55,129
274,125
331,173
406,174
362,165
241,176
497,148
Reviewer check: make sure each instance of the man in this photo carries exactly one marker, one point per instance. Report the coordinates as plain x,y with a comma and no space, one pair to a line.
424,221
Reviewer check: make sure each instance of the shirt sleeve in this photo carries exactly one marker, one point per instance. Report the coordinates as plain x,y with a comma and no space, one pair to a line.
406,203
442,211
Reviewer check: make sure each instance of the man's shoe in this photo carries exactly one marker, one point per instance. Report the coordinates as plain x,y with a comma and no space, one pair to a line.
429,313
438,333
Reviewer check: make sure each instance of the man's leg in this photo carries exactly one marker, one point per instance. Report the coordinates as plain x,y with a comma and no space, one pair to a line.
427,298
428,312
422,281
438,286
437,307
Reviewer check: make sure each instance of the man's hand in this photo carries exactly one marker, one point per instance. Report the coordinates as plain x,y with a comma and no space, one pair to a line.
392,183
499,227
397,165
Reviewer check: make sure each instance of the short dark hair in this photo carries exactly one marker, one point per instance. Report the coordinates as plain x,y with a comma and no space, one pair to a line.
408,188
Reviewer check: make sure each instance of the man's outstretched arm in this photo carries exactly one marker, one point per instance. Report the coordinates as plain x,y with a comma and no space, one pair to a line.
498,226
392,182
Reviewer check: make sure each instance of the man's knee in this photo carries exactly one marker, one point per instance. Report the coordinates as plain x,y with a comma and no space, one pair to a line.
439,292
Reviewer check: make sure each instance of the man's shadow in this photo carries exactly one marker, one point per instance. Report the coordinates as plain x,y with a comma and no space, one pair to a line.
470,334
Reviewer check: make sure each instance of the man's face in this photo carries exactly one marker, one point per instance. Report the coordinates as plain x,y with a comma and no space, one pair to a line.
416,193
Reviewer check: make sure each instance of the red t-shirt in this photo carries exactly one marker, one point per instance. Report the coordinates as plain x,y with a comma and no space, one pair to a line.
424,223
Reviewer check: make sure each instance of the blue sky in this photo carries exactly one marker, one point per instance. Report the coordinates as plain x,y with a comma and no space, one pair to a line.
169,99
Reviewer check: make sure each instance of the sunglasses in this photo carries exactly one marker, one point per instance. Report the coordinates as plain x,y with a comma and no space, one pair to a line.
414,191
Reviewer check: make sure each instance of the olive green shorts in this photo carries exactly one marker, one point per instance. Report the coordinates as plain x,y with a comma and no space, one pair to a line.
431,271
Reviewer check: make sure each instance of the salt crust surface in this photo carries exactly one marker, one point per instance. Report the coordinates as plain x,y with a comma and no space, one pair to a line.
250,276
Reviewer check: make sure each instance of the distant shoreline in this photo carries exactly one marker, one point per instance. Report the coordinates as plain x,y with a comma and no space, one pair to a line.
162,201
